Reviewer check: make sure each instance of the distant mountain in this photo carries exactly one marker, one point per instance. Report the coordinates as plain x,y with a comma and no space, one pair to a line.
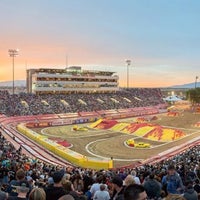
18,83
187,86
22,83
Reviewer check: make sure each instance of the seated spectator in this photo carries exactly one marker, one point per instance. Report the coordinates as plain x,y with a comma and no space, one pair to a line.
55,191
135,192
37,194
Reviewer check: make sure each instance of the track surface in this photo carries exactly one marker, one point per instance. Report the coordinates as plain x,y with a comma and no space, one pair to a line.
106,143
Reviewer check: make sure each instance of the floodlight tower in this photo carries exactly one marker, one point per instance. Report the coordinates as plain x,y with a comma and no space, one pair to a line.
128,62
196,78
13,53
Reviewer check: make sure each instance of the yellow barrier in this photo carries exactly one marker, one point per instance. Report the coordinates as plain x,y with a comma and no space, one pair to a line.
65,153
93,125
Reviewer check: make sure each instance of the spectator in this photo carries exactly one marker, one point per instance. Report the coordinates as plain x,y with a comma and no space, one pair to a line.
88,180
152,187
66,197
78,184
20,176
3,195
96,186
37,194
197,187
172,182
129,180
175,197
56,191
190,193
135,192
22,191
102,194
136,179
118,189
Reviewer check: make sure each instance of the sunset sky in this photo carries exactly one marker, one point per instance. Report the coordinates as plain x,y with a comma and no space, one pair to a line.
160,37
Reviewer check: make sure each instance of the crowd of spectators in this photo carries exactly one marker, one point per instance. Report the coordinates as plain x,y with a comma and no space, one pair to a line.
24,177
31,104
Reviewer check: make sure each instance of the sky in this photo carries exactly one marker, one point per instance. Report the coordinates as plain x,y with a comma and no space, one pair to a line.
160,37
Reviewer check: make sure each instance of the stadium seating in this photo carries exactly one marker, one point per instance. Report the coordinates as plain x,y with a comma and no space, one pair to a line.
31,104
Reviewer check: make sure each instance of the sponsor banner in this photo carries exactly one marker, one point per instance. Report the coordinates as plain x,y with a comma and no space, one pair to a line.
51,116
57,123
30,125
84,114
124,110
101,112
111,112
68,115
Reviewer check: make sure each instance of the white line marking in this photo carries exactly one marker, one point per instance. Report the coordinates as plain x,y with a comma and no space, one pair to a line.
96,155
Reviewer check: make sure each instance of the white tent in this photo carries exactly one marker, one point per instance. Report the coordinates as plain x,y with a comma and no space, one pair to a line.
172,98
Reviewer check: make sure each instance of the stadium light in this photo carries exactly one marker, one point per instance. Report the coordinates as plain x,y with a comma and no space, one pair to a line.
128,62
13,53
196,78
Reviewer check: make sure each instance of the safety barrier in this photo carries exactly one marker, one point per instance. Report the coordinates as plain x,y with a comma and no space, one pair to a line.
65,153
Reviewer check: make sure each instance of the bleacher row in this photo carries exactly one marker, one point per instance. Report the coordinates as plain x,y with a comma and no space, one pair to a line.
31,104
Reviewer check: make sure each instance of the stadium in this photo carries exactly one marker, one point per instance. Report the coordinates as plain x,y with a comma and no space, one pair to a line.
82,122
82,118
99,100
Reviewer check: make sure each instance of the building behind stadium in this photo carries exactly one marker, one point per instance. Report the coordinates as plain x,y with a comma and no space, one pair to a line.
70,80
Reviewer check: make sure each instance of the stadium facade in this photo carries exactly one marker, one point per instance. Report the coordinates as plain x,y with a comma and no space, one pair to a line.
70,80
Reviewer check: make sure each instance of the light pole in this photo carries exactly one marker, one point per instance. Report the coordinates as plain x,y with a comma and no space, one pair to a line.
128,62
196,78
13,53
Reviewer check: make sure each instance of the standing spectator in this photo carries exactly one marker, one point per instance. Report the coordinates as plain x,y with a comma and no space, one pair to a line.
102,194
152,187
172,182
135,192
55,191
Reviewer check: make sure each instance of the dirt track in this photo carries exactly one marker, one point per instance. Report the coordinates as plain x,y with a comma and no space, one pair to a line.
111,144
